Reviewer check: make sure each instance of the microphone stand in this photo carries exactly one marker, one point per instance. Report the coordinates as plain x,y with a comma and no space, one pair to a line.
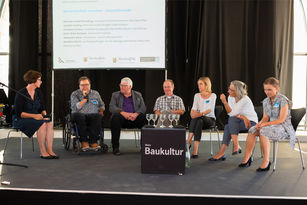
10,164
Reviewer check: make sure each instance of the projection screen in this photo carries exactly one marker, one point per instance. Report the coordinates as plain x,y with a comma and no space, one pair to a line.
108,34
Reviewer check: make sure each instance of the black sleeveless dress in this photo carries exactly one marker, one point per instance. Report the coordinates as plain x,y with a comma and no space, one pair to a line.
22,104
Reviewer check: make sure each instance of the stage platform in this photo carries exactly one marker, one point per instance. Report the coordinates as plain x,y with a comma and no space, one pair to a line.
119,178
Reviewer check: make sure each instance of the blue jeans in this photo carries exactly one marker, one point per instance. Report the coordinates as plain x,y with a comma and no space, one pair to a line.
234,126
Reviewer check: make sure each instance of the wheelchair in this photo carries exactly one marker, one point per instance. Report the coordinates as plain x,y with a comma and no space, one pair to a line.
70,129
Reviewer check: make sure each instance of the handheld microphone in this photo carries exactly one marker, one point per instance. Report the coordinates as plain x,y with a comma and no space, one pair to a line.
86,95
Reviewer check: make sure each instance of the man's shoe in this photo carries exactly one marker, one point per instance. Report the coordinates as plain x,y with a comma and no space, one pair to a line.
116,151
95,146
84,146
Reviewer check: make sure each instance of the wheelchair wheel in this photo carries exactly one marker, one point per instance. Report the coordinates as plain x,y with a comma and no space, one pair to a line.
104,147
76,146
67,132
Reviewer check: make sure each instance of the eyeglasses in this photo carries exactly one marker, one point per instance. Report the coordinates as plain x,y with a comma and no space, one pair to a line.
121,85
268,90
231,90
83,85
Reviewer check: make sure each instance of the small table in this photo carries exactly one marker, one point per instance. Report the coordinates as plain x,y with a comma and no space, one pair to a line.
163,150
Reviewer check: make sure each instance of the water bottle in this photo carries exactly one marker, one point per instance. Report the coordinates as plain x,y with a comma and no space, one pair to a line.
187,156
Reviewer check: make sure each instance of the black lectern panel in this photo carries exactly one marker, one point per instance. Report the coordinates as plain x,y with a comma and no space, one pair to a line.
163,150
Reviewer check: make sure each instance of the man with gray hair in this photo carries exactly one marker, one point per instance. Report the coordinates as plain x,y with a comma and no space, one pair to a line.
128,110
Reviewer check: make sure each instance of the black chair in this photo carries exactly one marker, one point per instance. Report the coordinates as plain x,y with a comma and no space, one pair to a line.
296,117
214,128
259,111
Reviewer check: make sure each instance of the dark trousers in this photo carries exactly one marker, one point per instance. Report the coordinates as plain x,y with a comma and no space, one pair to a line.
118,122
197,124
88,125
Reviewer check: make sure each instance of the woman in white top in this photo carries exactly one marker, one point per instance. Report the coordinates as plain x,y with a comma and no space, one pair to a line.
242,116
202,112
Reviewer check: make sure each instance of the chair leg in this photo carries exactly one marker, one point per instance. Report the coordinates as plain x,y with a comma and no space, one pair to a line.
136,137
302,159
7,140
32,144
139,137
218,137
20,145
275,148
261,152
211,148
260,148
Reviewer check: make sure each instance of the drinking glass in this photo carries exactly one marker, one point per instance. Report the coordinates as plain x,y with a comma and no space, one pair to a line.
170,118
148,118
177,118
151,117
155,117
174,118
162,118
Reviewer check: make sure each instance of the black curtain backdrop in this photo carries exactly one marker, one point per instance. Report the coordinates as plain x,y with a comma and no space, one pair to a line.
223,39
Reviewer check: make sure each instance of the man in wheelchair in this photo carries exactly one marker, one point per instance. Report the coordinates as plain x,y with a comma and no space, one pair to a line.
87,110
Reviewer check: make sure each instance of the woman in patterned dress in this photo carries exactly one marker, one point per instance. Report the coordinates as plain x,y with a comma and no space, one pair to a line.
274,125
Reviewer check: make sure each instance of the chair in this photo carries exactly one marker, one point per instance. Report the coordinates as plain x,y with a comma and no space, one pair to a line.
70,129
217,111
15,128
136,132
296,117
259,111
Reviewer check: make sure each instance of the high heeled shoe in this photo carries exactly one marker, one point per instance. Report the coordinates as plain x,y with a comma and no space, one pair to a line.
222,158
247,164
46,157
237,152
194,156
264,169
55,156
